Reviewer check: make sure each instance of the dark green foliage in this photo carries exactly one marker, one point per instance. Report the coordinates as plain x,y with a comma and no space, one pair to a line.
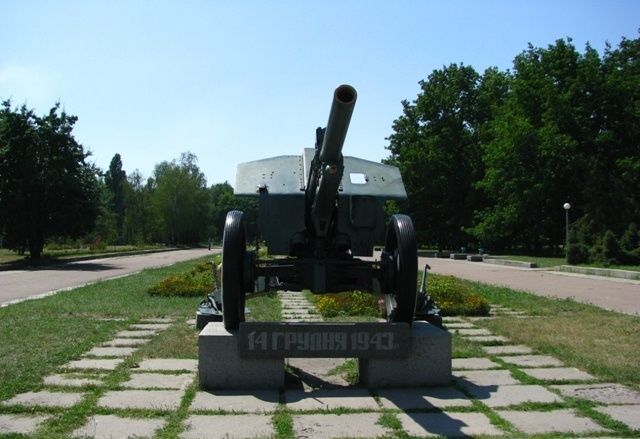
47,187
115,180
455,297
435,146
222,201
491,159
196,282
141,224
180,200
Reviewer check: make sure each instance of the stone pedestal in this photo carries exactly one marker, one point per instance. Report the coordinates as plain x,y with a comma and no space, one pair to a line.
220,365
428,364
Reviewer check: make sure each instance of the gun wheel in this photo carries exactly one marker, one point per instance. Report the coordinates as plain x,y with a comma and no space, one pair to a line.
401,252
234,248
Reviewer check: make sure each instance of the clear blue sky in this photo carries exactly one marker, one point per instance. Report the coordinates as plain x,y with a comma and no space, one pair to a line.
234,81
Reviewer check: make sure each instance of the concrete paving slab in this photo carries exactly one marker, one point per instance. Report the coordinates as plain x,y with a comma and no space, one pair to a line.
484,378
191,322
67,380
21,424
227,427
460,325
487,338
169,364
158,320
478,331
411,398
150,326
327,399
452,319
627,414
513,349
606,393
333,426
249,401
505,395
479,318
45,398
532,360
110,352
558,374
447,424
473,363
158,381
126,342
98,364
554,421
141,399
112,427
136,334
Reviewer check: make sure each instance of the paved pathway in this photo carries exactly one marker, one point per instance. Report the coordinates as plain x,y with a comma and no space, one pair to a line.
120,394
615,294
21,284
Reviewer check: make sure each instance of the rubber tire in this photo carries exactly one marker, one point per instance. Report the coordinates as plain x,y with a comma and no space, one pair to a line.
401,243
234,248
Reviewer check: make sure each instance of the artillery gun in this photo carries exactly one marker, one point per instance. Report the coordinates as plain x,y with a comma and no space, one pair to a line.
319,211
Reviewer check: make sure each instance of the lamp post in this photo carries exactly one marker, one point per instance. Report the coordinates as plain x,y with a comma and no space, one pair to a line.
566,207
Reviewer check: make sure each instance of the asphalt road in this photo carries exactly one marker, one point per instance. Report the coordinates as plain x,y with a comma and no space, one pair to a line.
17,285
614,294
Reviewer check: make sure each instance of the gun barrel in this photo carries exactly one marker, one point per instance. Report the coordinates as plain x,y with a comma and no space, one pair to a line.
344,99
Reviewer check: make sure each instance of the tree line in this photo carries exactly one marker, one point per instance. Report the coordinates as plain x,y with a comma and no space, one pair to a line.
50,192
489,159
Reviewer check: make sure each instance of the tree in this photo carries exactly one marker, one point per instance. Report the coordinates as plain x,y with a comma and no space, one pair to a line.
494,158
47,188
222,201
435,145
115,179
180,200
140,221
532,156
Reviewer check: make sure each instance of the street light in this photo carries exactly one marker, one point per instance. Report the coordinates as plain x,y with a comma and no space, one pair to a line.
566,207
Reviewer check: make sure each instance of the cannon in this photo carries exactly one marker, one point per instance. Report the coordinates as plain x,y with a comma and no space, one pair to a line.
318,213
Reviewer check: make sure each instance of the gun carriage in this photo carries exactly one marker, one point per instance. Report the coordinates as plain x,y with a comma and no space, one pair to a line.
321,211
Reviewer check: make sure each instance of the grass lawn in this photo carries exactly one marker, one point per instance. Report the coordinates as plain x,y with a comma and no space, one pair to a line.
38,336
541,261
603,343
544,262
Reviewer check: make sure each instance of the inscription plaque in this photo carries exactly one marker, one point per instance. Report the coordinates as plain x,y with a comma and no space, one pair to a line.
328,340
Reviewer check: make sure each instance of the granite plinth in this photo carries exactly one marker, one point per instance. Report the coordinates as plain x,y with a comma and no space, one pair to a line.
221,367
428,363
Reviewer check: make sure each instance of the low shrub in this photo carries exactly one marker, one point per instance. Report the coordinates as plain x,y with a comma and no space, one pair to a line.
354,303
196,282
455,297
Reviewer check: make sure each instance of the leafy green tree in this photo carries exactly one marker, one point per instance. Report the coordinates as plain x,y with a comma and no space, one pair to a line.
532,155
222,201
435,145
140,220
47,187
115,180
494,158
180,200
